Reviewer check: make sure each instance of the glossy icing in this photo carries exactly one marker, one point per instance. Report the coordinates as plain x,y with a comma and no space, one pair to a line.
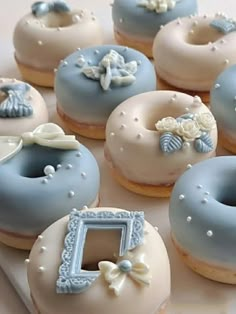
83,99
202,211
42,41
135,20
133,144
43,268
30,199
22,108
40,8
223,102
196,54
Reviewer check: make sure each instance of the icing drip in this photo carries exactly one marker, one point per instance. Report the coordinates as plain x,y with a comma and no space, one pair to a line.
15,105
224,25
41,8
159,6
130,266
112,70
176,133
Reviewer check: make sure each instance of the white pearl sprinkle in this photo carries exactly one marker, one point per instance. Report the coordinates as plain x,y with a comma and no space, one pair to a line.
41,269
44,181
214,48
226,61
186,145
58,29
140,135
139,62
78,154
207,193
181,197
187,109
81,61
122,113
156,228
59,166
96,52
217,86
55,70
162,26
179,21
43,249
71,194
122,127
205,200
222,41
78,49
205,16
68,166
191,32
74,210
30,97
209,233
27,261
65,63
189,166
199,186
40,43
85,207
121,20
50,176
76,18
49,170
112,134
136,119
94,18
83,175
126,49
121,149
195,23
189,218
40,237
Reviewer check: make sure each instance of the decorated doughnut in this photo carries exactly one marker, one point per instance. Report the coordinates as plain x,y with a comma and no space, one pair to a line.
48,34
91,82
151,138
110,257
191,52
202,217
22,108
223,106
44,174
136,22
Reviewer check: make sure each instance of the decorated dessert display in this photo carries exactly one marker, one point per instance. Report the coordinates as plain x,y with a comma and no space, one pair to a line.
48,34
200,48
136,22
202,217
22,108
223,106
90,83
44,174
153,137
110,256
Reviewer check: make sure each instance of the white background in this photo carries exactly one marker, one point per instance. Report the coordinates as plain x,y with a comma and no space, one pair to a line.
191,294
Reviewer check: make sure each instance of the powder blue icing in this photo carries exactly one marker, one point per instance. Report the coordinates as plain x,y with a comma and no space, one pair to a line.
41,8
138,21
223,99
205,191
30,201
72,278
83,98
224,25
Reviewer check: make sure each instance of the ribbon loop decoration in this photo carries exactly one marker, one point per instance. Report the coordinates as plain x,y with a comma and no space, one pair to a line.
41,8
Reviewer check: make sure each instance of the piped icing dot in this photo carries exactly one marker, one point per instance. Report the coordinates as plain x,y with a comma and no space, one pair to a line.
189,219
50,176
199,186
156,228
85,207
191,31
76,18
74,210
96,51
181,197
140,135
71,194
41,269
27,261
49,170
44,181
78,154
122,113
83,175
59,166
40,237
139,62
112,134
204,201
217,86
226,61
122,127
81,61
43,249
209,233
68,166
125,266
189,166
207,193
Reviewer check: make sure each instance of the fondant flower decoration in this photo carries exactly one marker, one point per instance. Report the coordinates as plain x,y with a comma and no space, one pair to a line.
41,8
112,70
15,105
130,266
206,121
167,124
159,6
189,130
48,134
224,25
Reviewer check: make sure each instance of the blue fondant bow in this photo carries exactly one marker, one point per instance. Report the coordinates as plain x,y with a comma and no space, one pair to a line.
224,25
40,8
15,105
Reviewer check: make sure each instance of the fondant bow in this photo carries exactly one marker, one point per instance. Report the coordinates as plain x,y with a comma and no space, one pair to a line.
224,25
49,135
15,105
41,8
132,267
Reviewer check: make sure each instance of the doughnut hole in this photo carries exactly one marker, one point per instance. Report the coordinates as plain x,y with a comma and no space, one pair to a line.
227,196
52,20
203,35
100,245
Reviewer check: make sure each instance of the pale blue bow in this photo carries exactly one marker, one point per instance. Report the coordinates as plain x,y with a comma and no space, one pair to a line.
15,105
224,25
40,8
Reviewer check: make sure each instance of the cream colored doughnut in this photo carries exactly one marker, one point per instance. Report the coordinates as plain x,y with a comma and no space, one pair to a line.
41,42
148,161
16,125
189,53
144,290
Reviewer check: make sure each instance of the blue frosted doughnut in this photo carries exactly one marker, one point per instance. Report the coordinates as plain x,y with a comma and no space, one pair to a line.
86,103
136,25
223,106
30,200
203,218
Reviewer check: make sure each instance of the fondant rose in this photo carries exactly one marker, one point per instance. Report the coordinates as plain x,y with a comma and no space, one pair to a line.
167,124
206,121
189,130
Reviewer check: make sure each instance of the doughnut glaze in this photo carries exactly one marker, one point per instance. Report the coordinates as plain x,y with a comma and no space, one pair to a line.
190,53
138,21
202,217
86,102
223,104
13,121
41,42
98,298
137,150
57,180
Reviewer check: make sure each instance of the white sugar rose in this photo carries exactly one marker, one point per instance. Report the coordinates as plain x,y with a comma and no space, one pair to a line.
206,121
189,130
167,124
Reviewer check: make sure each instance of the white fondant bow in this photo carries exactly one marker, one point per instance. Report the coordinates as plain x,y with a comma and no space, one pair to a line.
129,266
49,135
